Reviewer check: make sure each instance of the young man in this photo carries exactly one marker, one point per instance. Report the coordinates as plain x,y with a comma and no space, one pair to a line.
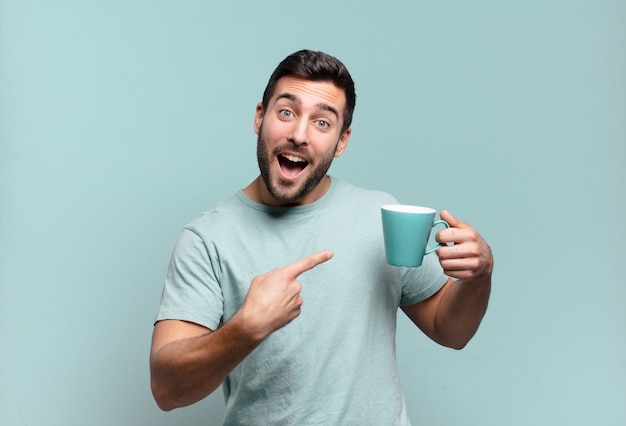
312,342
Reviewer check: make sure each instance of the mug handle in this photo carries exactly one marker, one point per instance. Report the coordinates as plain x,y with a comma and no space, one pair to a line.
435,223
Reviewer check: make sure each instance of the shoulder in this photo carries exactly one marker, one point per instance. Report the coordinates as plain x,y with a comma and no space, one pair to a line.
358,195
220,218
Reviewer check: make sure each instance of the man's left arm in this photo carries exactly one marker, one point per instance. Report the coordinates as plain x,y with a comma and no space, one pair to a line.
452,315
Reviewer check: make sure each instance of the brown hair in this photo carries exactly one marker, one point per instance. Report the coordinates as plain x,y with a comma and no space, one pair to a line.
315,66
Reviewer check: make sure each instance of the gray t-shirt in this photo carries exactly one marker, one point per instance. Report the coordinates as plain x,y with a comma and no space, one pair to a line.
335,364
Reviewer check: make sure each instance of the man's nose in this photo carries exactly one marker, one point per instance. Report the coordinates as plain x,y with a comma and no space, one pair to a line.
298,135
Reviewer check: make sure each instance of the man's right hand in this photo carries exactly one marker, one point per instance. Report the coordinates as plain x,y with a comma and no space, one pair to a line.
274,299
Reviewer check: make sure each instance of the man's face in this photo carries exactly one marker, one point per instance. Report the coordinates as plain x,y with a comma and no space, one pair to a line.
298,136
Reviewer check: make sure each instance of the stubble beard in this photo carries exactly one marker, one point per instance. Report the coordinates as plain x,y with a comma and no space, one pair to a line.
288,192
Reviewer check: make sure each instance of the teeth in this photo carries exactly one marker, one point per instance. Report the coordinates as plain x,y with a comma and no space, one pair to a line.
293,158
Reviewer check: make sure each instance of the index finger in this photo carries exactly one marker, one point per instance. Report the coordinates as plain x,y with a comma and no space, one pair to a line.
307,263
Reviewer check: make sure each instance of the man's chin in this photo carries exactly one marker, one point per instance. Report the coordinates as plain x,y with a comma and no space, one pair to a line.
293,191
287,191
283,195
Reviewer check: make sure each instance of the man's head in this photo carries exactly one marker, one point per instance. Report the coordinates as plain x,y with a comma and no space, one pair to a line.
302,123
315,66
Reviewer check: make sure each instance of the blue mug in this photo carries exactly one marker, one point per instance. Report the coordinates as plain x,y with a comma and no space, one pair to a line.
406,230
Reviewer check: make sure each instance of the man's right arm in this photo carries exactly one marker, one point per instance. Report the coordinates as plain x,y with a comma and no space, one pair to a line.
189,361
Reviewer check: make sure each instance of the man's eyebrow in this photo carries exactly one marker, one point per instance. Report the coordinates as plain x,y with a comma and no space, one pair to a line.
289,96
329,108
322,106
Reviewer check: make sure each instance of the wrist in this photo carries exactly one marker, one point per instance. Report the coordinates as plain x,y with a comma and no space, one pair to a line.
489,268
247,329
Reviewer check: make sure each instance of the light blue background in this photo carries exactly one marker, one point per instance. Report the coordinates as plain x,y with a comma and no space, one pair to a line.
121,121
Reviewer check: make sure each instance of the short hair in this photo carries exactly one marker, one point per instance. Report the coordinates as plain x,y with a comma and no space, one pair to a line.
315,66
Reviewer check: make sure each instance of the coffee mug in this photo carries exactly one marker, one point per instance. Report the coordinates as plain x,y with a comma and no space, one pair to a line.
406,230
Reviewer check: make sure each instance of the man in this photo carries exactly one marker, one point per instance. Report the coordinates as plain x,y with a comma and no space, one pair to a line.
282,292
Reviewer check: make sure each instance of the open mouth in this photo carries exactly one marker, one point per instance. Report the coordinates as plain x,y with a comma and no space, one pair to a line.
291,165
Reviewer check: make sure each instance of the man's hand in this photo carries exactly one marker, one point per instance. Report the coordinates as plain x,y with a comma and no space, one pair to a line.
273,299
469,257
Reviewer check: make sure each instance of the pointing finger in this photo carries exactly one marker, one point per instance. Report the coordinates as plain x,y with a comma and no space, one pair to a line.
307,263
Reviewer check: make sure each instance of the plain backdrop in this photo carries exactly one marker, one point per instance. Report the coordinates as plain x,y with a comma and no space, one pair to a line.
121,121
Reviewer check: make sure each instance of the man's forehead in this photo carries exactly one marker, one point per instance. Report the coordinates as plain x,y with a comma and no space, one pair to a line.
317,92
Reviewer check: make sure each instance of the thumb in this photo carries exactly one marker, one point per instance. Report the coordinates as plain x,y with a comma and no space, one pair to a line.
452,221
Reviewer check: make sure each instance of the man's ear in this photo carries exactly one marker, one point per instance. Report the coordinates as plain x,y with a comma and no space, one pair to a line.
343,142
258,118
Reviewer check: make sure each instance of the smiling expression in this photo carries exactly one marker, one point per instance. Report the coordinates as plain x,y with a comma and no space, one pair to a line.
299,135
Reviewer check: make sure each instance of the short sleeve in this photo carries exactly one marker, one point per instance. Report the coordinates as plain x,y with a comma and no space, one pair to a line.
422,282
192,290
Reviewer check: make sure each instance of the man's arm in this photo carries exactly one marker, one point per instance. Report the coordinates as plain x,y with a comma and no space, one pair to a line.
189,361
452,315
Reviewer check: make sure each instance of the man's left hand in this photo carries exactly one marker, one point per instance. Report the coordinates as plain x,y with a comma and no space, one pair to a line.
469,256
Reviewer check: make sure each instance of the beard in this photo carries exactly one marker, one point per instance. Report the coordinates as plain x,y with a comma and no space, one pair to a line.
289,192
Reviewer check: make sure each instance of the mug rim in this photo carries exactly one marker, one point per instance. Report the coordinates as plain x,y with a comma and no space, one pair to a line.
408,208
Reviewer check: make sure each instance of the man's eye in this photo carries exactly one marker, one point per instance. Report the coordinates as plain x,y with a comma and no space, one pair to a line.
285,113
323,124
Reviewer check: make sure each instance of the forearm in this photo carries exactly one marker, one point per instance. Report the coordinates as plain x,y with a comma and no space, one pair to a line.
187,370
461,310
